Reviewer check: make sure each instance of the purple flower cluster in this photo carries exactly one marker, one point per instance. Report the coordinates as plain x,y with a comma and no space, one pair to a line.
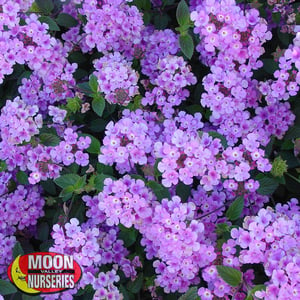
111,25
20,209
130,140
116,79
231,44
93,247
7,243
125,202
287,76
270,238
173,75
164,226
20,124
157,45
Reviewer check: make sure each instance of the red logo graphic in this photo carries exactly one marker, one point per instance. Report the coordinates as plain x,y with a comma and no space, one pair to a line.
44,272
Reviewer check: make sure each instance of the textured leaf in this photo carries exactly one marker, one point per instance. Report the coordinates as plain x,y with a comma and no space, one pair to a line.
136,285
191,294
186,45
49,139
94,146
93,83
22,177
267,185
230,275
183,13
66,20
51,23
45,6
160,191
128,235
6,288
99,181
98,105
17,250
66,180
217,135
235,209
256,288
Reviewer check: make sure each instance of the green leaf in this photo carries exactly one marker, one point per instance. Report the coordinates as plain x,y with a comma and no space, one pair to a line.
183,191
43,231
250,295
293,132
161,22
80,183
160,191
51,23
3,166
267,185
99,181
230,275
94,146
235,209
17,250
136,285
276,16
183,13
128,235
49,186
186,45
219,136
98,105
191,294
29,297
46,6
126,294
22,177
49,139
93,83
85,88
66,180
6,288
66,20
67,193
270,65
298,18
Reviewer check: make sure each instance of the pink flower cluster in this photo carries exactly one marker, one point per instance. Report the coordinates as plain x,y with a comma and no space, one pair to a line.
116,78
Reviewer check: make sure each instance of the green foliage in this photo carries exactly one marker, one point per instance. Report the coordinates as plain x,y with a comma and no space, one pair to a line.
51,23
17,250
186,45
128,235
98,104
6,288
251,293
22,178
235,209
267,185
49,139
46,6
191,294
66,20
66,180
136,285
230,275
183,13
160,191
